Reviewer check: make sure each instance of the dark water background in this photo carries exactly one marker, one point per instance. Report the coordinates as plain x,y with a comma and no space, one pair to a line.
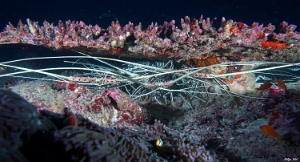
103,12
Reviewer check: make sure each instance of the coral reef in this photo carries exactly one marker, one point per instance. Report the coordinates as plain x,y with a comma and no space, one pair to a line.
163,93
220,130
235,131
100,145
197,42
19,122
107,107
89,142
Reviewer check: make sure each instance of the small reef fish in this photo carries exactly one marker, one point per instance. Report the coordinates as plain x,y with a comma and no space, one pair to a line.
159,143
264,86
269,131
281,84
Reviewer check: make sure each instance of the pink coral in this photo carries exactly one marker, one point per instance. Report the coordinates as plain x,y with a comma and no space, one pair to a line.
108,106
158,41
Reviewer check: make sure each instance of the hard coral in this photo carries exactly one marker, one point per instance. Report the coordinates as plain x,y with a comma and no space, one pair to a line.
176,146
107,107
88,141
122,109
